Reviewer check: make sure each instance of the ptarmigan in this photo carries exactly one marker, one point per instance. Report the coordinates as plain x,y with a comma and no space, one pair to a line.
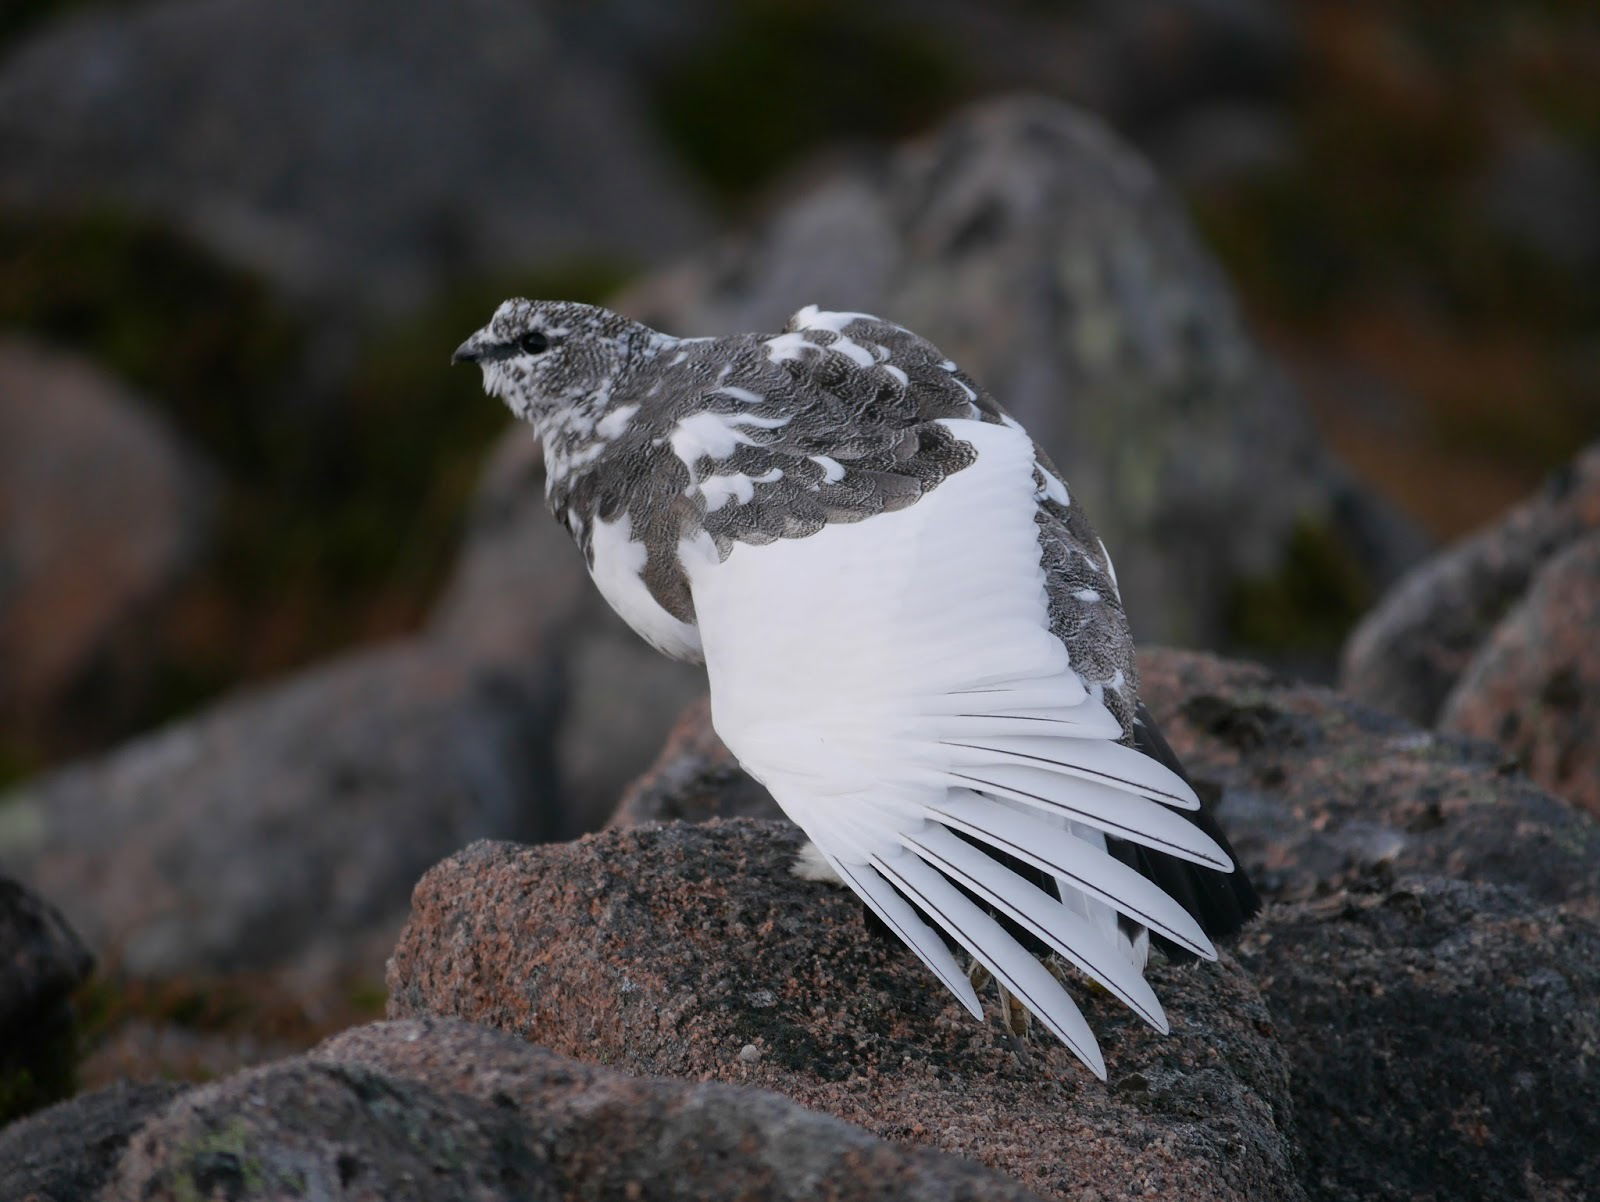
914,639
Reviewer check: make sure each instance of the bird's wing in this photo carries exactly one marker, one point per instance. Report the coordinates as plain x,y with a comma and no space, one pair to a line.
895,682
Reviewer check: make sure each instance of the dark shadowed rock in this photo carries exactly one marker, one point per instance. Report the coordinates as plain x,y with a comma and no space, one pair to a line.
284,829
41,962
695,777
1047,258
520,595
1534,685
102,511
693,951
359,149
1318,791
442,1110
1442,1037
66,1153
1410,652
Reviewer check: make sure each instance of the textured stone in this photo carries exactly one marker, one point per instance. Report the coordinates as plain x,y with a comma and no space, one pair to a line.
1443,1040
1318,792
1047,259
68,1152
1534,685
284,828
1410,651
41,962
102,511
443,1110
670,949
359,150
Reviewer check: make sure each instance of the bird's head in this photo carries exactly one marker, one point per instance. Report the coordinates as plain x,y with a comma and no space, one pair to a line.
554,362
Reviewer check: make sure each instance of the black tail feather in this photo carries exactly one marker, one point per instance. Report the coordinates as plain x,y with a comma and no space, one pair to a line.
1220,902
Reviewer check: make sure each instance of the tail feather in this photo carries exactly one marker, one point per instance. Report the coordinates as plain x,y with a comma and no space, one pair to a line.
1221,902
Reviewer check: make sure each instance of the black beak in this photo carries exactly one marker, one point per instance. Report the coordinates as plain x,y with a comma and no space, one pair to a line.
466,353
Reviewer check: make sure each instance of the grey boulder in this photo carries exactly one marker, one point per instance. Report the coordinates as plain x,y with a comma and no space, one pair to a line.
359,151
1046,257
283,829
438,1110
103,511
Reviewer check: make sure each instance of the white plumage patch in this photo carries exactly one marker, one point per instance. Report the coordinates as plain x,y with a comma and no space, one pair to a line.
895,684
617,566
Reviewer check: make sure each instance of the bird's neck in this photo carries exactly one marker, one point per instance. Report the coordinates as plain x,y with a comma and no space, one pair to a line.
575,433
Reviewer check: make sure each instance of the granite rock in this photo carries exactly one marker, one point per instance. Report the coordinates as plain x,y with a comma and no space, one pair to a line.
1422,638
1442,1040
675,949
443,1110
1534,685
68,1152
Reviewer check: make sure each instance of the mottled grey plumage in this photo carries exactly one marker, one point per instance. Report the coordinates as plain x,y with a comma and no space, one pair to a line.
832,420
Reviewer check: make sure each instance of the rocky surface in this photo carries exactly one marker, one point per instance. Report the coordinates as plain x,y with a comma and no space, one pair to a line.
67,1153
1441,1037
41,962
1319,792
1534,684
1429,973
1413,1017
284,829
443,1110
1048,259
395,148
102,512
693,951
1411,651
521,596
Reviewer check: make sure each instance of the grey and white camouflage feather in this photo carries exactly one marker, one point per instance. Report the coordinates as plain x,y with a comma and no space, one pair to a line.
914,638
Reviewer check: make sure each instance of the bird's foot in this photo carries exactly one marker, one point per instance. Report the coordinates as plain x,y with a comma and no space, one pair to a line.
1015,1021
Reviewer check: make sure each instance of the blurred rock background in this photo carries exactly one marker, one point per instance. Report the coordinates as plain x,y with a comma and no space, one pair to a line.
1293,291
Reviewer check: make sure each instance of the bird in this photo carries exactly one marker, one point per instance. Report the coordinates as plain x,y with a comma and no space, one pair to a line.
912,636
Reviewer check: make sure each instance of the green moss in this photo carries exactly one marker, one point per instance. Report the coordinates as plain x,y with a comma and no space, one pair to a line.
783,77
1310,604
222,1161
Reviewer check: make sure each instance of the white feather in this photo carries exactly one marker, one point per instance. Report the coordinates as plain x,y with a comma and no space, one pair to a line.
1028,980
904,921
1076,863
1071,936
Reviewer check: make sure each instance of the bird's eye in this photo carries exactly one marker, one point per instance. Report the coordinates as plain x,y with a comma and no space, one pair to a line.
534,342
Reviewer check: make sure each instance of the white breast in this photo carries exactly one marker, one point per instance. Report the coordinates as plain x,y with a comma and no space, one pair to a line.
618,573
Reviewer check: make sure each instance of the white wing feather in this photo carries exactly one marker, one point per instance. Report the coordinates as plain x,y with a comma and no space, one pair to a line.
895,679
